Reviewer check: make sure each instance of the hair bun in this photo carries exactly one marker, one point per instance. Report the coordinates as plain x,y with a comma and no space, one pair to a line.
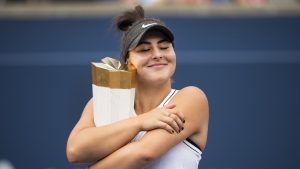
124,21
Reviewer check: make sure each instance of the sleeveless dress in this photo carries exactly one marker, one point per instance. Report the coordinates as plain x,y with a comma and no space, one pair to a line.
184,155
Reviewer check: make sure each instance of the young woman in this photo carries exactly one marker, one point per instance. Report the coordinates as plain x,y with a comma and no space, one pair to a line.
170,128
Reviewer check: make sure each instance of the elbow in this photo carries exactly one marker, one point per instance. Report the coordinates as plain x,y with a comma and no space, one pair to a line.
144,153
73,155
147,156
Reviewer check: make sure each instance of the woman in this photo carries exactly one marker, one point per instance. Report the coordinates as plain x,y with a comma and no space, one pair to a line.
170,129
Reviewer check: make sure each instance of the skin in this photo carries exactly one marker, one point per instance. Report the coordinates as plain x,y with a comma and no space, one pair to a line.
185,116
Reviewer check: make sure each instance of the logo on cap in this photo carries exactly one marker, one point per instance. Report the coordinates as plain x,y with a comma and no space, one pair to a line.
147,25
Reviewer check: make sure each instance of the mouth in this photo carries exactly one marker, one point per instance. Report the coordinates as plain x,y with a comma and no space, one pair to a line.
158,65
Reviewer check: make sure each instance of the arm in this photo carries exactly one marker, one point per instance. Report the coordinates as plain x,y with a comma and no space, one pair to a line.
88,143
140,154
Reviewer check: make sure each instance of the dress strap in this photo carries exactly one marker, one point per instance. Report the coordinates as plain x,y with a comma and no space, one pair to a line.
168,98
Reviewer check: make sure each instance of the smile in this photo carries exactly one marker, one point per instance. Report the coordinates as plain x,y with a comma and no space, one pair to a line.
158,65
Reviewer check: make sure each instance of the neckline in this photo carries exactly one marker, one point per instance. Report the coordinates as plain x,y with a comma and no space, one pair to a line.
165,100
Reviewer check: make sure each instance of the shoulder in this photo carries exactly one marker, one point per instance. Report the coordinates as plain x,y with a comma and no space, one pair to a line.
192,94
193,103
87,116
88,109
192,90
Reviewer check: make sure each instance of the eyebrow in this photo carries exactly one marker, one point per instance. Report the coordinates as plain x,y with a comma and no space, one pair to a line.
148,43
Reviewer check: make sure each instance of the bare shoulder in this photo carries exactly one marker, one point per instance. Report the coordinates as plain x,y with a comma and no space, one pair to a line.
193,103
193,90
193,95
88,111
87,117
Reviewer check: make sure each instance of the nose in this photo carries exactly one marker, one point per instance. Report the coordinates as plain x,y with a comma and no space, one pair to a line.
157,54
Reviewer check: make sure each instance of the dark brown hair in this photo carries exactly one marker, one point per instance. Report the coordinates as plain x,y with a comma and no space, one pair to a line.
126,19
134,25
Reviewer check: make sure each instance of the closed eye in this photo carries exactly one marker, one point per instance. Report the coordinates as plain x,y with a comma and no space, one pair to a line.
144,50
164,44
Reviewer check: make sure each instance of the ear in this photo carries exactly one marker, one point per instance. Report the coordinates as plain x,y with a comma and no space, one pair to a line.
128,61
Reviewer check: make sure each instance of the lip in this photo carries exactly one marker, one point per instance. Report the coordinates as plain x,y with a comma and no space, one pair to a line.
157,64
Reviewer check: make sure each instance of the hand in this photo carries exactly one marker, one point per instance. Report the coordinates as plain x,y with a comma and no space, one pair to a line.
167,118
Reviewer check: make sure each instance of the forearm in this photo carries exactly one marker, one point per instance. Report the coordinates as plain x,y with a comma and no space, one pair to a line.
130,156
94,143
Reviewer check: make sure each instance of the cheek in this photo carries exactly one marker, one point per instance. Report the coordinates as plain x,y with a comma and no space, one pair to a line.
140,59
136,62
172,57
132,62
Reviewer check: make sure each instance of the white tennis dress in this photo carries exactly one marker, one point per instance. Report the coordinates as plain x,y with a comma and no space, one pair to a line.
184,155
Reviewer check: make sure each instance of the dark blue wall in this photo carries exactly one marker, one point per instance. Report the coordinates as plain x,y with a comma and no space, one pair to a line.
249,68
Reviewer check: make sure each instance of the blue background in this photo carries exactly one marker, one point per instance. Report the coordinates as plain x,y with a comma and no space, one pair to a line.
249,67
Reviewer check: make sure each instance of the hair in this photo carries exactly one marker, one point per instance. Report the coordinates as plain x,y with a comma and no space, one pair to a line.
126,19
129,23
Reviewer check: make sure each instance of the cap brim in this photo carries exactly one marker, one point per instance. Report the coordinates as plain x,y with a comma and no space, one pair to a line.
159,28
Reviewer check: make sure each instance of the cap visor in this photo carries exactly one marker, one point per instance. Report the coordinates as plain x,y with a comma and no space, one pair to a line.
159,28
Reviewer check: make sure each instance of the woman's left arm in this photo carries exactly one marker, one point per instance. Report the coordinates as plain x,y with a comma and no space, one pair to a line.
193,103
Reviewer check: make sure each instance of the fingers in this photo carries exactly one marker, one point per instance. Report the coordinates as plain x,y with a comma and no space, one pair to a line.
167,118
178,114
177,121
166,127
170,106
174,121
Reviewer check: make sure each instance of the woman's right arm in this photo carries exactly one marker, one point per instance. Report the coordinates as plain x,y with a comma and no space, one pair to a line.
88,143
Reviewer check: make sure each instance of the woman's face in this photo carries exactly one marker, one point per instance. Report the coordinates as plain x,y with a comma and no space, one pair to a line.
154,58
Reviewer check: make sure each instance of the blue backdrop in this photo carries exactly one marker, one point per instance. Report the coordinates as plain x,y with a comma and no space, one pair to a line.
249,67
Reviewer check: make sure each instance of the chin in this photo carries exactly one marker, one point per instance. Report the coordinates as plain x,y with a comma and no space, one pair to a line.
159,80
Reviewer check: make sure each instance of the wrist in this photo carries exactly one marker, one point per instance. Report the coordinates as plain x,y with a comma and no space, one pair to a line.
137,123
